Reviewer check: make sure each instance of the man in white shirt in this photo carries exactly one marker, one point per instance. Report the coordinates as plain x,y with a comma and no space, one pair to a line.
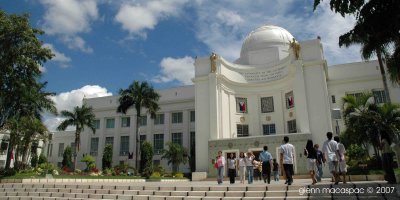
330,149
287,158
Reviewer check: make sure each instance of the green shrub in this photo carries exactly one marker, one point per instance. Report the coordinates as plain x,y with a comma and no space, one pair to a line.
107,157
89,161
178,175
146,158
34,160
155,175
42,159
67,157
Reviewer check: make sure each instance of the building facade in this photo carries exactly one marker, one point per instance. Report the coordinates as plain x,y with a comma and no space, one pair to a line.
278,86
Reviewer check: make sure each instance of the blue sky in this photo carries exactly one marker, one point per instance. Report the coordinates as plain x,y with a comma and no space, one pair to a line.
103,45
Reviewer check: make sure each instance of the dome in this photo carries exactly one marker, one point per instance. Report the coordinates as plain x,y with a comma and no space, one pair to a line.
265,44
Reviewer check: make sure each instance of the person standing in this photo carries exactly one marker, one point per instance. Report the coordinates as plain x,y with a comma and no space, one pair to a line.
241,165
387,158
287,158
342,161
266,158
276,169
311,154
329,149
320,160
231,168
220,167
249,166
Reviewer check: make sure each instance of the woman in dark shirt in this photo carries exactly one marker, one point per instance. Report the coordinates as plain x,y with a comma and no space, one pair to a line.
311,154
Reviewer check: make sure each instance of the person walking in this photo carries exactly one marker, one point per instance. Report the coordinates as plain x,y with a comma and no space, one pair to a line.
249,166
311,154
320,160
241,165
276,170
266,158
387,158
287,158
231,168
342,161
220,167
329,149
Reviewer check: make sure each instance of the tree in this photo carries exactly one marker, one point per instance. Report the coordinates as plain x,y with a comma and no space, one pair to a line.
377,27
138,95
107,157
80,117
90,162
176,155
67,157
21,55
42,159
146,157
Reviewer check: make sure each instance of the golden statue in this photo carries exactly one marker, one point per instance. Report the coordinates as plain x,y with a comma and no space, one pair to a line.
213,59
296,48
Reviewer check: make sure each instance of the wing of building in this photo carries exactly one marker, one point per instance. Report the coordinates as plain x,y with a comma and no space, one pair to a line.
278,87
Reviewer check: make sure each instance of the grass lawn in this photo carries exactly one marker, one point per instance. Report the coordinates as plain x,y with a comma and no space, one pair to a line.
97,177
22,176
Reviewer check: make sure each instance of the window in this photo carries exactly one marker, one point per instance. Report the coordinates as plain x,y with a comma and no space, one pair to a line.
177,117
241,105
269,129
142,138
49,150
159,119
109,140
177,138
379,96
94,146
124,147
4,147
333,99
355,94
192,143
242,130
97,123
73,148
60,149
292,126
158,143
143,121
125,122
110,123
267,104
156,162
289,100
192,116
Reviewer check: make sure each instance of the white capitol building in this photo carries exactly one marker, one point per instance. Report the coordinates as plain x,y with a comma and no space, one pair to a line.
277,87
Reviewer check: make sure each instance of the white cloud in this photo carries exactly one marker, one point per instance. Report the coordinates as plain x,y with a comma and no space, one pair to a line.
68,18
58,56
137,18
71,99
229,18
180,69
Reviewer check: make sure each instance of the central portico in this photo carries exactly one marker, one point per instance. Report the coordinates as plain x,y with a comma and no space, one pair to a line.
276,87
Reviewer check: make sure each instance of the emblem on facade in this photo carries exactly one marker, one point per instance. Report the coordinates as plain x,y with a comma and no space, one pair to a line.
296,48
213,59
290,114
242,119
230,145
268,118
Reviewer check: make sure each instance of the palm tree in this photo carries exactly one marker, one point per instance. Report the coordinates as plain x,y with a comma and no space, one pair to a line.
360,115
175,154
372,43
33,130
138,95
79,117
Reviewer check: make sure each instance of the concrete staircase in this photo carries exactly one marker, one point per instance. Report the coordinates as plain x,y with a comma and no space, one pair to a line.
187,191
